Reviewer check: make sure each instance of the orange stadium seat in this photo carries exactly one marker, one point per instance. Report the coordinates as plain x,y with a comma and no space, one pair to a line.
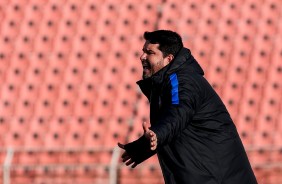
79,125
44,107
54,75
68,91
125,24
19,124
211,9
230,9
7,107
34,139
62,44
88,91
73,75
53,139
24,108
151,174
269,25
81,45
271,8
232,94
83,107
59,125
128,175
261,156
88,156
31,87
24,42
15,10
69,157
64,107
44,41
39,124
117,132
4,126
71,10
6,42
9,91
34,75
247,27
251,9
14,139
94,138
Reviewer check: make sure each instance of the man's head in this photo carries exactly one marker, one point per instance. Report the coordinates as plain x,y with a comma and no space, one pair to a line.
159,50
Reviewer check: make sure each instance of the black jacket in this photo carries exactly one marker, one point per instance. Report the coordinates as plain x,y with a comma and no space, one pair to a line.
197,140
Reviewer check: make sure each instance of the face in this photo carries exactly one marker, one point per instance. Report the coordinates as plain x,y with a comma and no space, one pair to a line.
152,59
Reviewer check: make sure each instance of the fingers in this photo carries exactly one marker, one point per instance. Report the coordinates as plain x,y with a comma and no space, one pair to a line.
145,126
121,145
153,140
134,165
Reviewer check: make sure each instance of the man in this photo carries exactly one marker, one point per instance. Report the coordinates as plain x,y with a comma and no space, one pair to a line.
191,130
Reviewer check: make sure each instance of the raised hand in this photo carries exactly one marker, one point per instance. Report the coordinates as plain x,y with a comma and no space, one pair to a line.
149,134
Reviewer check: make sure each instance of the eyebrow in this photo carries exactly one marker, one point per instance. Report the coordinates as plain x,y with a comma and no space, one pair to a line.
147,50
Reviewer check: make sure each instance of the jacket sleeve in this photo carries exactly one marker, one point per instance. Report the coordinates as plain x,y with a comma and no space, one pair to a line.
178,113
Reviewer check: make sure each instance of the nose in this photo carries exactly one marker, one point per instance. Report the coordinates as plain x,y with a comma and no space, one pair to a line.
143,57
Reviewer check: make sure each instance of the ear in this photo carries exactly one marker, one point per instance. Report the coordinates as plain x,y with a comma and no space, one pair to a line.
170,57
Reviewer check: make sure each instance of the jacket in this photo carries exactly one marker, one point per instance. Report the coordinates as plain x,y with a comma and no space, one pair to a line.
197,140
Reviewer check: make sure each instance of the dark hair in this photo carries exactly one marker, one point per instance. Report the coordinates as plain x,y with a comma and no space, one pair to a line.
169,42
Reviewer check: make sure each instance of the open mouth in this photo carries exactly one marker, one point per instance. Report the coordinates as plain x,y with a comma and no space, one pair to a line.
146,66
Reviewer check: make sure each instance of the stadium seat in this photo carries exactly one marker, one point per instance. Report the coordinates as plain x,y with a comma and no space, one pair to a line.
270,25
79,125
7,107
83,107
53,140
230,9
54,75
260,156
88,91
232,94
73,75
247,23
24,108
34,139
117,132
211,9
238,70
14,139
68,91
96,131
4,127
34,76
48,157
263,137
251,9
101,43
15,75
128,175
39,124
271,9
69,157
62,44
64,107
68,23
59,125
151,174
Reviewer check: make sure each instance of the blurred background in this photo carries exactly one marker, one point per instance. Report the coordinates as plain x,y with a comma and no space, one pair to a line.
67,82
